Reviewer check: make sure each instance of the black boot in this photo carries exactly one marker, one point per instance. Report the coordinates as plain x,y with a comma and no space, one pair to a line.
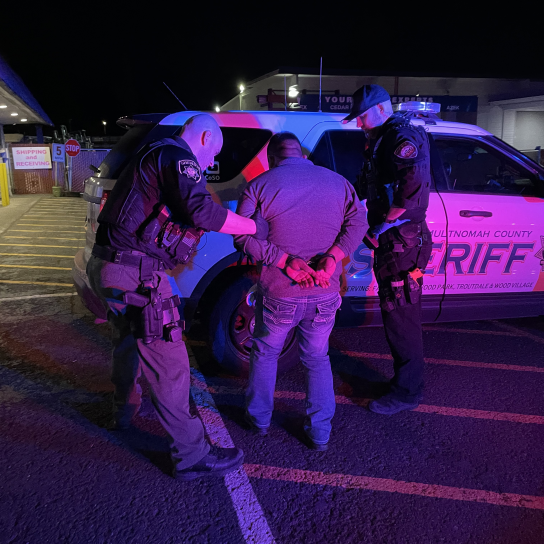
217,462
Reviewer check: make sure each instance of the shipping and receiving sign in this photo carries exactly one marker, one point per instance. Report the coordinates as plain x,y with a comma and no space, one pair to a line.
32,158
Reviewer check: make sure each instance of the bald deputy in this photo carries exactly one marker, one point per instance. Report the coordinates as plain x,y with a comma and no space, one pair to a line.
151,222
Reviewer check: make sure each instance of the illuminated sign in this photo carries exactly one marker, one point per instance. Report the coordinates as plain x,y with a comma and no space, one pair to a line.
447,103
31,158
332,103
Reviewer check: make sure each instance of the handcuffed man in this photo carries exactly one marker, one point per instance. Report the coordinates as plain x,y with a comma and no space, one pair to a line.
313,213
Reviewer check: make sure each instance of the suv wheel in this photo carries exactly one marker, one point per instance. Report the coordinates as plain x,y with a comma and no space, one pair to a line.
231,326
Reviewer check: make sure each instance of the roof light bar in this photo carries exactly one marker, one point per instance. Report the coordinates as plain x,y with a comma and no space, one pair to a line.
432,107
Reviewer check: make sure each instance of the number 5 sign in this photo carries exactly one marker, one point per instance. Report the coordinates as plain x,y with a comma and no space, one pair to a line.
58,152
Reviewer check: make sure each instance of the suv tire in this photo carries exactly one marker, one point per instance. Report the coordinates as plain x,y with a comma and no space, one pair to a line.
230,329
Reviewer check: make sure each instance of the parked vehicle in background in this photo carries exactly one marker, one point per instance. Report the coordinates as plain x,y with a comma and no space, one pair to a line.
486,214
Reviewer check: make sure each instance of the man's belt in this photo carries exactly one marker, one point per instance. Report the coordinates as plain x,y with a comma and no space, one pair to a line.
126,258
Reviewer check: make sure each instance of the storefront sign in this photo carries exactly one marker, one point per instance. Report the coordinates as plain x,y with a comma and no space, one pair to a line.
331,103
341,103
447,103
31,158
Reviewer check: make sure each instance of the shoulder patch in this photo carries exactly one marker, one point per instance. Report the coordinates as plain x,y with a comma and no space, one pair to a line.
406,150
189,169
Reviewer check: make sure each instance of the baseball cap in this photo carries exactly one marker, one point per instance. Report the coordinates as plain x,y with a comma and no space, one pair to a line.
366,97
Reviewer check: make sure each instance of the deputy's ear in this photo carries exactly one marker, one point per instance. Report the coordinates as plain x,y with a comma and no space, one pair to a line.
206,137
304,156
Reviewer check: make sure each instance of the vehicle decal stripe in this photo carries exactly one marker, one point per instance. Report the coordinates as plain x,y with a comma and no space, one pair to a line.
251,518
387,485
36,255
37,296
474,364
29,266
16,282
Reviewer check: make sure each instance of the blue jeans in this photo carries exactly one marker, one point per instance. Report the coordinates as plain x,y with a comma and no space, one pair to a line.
274,318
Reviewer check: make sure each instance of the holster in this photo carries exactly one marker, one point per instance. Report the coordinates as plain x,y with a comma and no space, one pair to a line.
158,318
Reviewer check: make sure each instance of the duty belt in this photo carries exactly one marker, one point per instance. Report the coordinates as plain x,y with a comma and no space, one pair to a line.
127,258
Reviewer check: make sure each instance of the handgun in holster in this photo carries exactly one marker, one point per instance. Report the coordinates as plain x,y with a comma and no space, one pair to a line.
159,318
413,287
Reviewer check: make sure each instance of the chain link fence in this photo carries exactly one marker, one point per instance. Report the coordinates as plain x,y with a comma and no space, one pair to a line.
27,182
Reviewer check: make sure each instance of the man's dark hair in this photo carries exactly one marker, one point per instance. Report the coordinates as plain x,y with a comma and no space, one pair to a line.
284,145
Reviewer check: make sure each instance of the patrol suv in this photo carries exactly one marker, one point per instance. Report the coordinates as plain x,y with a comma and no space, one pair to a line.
486,214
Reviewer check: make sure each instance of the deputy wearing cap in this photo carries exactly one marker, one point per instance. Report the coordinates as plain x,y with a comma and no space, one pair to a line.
396,182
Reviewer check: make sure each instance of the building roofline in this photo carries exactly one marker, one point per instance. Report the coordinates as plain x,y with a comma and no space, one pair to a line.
298,70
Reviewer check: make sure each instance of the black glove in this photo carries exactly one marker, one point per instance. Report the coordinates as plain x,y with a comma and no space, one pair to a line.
261,225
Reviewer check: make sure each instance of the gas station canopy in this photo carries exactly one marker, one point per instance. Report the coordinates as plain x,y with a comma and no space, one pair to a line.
17,105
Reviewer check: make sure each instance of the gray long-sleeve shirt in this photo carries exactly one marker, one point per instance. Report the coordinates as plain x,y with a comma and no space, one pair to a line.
309,209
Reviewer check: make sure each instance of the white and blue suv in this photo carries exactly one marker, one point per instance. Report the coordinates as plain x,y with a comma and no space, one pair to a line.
486,214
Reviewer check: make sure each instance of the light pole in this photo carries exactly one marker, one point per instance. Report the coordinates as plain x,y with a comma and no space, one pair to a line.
242,89
104,123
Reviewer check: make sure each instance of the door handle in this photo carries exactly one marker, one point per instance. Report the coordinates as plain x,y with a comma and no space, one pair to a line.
474,213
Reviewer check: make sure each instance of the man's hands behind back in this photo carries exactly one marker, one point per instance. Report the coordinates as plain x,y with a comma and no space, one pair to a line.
297,269
315,273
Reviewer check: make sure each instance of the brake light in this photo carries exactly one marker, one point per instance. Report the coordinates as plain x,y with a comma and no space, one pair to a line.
105,195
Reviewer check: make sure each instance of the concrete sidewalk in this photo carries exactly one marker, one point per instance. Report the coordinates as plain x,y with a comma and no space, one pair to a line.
19,205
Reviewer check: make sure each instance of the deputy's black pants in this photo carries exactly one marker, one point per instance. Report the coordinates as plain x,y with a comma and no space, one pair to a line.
165,365
403,324
403,333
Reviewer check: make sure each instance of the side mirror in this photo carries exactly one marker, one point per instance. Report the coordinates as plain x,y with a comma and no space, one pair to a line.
94,168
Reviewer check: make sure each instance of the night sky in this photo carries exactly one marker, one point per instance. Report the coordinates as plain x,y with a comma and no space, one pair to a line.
85,62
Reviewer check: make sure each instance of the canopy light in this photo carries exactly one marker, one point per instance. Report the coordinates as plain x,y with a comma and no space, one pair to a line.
293,93
14,114
2,106
431,107
24,120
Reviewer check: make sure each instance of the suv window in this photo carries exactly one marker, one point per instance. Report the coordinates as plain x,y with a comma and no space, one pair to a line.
130,144
472,166
341,151
240,145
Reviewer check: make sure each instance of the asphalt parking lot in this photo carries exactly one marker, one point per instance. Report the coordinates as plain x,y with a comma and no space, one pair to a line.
465,467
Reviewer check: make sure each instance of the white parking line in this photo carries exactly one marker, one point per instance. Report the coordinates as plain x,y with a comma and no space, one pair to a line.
38,296
519,332
251,518
45,238
470,331
475,364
